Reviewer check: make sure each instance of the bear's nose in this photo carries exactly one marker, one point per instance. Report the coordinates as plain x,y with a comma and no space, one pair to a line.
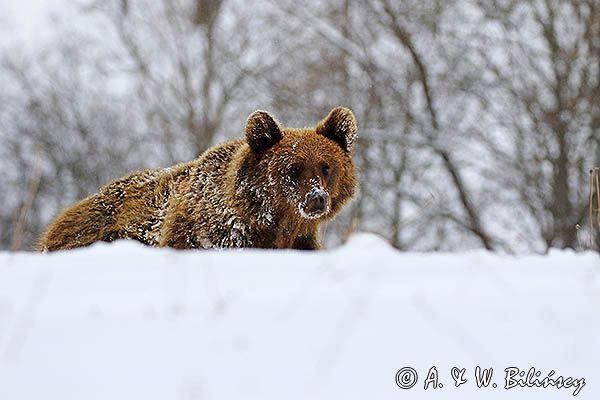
316,201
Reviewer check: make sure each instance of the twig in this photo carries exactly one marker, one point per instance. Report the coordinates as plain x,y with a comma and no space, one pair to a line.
597,173
594,186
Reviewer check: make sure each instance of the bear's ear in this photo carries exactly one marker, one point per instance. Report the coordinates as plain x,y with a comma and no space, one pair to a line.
339,126
262,131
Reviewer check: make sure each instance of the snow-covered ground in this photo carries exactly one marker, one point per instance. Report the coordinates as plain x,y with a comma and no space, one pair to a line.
123,321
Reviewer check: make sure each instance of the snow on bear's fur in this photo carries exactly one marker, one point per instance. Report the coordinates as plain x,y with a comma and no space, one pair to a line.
269,190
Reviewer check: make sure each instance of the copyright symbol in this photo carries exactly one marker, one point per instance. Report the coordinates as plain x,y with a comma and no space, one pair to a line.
406,378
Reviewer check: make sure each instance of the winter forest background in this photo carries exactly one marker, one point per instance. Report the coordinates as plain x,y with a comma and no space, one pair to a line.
479,119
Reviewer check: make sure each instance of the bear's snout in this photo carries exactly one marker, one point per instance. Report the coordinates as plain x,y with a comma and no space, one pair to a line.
315,203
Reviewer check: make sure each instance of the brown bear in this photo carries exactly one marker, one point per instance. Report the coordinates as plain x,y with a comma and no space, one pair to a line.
269,190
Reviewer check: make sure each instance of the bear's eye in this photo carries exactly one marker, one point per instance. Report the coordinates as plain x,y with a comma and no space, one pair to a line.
325,170
294,171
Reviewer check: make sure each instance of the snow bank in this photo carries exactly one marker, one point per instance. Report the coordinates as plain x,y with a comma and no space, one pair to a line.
123,321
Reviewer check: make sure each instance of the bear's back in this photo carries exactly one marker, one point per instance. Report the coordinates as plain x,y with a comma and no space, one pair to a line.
201,212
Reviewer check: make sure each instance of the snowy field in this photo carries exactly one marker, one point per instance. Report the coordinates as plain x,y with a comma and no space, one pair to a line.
123,321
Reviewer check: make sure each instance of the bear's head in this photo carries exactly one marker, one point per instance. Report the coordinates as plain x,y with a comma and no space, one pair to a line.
309,172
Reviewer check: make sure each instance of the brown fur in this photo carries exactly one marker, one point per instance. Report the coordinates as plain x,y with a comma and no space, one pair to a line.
243,193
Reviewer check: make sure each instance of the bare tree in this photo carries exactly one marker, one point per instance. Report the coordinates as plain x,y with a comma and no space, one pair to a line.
62,133
375,47
547,109
182,60
479,120
141,84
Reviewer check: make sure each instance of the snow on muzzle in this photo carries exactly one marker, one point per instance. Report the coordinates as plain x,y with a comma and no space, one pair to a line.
315,204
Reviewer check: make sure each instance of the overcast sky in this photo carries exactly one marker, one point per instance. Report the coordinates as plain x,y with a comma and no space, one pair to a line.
24,19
